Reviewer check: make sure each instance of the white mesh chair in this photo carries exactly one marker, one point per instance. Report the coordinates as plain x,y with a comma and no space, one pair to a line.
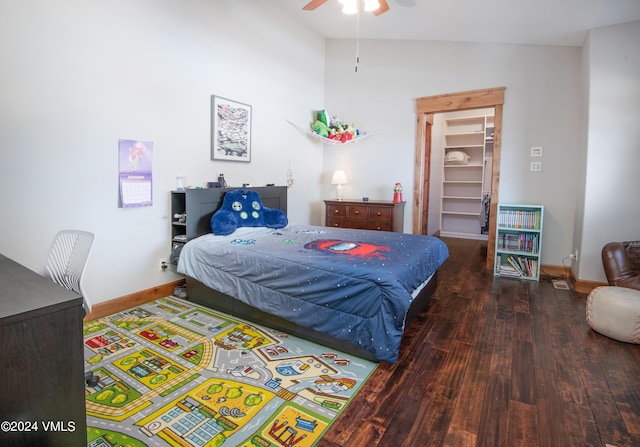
67,261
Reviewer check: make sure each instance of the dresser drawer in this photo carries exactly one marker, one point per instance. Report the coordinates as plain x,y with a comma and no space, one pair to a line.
376,225
357,212
359,224
336,211
379,213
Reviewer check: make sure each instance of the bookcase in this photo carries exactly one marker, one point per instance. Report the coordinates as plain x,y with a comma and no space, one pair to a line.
465,181
518,241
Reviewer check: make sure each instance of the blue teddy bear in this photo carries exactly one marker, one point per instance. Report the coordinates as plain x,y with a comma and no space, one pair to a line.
243,208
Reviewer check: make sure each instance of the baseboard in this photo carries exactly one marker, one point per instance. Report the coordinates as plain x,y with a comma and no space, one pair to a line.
124,302
585,286
579,285
556,271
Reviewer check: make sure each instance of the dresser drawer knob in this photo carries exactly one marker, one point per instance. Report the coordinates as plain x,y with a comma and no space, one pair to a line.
336,211
357,211
379,213
336,225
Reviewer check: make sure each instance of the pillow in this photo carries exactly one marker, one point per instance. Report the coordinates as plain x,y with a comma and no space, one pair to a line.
243,208
456,158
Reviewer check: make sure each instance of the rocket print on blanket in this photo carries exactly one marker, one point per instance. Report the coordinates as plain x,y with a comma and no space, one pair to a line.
352,249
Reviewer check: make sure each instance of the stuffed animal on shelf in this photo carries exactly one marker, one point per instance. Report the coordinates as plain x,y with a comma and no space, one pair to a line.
320,128
333,128
243,208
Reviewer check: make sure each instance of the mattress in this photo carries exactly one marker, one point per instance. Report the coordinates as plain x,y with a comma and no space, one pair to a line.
354,285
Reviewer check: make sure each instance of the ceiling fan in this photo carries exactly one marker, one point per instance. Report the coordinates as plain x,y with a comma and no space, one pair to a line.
351,6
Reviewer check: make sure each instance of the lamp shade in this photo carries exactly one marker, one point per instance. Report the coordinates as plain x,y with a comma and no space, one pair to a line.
339,178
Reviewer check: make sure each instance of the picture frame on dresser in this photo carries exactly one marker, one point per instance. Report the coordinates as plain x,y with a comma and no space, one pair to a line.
230,130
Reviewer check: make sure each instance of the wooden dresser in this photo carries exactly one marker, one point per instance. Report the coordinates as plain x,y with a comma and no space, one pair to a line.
42,386
382,215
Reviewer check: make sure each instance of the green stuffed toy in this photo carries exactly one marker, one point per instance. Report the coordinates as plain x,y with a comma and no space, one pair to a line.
320,128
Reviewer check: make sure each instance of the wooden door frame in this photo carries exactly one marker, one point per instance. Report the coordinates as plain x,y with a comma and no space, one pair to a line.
429,105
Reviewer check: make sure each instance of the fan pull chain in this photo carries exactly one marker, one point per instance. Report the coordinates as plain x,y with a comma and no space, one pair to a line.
357,40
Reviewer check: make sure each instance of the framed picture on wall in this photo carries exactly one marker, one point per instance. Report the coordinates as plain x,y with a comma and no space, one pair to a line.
230,130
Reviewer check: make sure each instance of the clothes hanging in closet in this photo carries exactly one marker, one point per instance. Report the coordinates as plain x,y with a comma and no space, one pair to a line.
484,213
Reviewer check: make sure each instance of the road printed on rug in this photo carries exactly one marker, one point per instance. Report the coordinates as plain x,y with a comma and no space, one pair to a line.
173,373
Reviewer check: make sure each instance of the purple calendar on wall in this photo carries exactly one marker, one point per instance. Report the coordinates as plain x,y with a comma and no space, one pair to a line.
134,162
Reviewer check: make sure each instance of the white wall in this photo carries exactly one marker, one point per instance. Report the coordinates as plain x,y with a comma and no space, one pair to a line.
611,205
542,108
77,75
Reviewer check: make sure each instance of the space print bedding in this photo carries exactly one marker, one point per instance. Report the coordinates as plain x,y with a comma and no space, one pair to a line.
354,285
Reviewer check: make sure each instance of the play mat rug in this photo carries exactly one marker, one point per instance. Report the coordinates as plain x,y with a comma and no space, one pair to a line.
172,373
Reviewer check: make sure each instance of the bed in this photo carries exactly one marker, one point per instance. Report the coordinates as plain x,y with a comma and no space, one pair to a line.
350,290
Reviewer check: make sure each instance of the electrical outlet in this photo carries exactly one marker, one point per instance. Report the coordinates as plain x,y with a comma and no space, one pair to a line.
163,264
574,255
536,166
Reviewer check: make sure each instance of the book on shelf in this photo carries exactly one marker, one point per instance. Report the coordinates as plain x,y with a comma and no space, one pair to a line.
517,266
519,218
525,242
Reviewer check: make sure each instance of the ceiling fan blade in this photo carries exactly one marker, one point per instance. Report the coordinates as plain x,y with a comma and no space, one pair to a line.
384,7
313,4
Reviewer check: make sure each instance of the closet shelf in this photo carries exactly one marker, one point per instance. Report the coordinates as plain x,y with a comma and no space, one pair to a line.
462,182
461,213
464,166
461,198
463,209
455,134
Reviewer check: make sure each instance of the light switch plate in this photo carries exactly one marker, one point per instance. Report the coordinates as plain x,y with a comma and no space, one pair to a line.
536,151
536,166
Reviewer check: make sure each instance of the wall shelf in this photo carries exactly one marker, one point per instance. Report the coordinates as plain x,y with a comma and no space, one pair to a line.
316,137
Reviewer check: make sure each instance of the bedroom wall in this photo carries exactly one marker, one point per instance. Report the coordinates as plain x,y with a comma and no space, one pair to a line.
78,75
611,209
542,108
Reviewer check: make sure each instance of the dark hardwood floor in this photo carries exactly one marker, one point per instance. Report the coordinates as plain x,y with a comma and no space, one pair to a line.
498,362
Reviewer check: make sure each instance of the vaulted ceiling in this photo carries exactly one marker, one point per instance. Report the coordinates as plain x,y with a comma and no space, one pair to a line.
543,22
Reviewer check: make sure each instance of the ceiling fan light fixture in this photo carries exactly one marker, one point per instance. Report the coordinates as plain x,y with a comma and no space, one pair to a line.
349,6
371,5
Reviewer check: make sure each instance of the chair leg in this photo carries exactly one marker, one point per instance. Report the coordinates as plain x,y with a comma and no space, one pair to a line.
91,379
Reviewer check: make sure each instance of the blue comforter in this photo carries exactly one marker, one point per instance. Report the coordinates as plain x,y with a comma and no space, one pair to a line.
351,284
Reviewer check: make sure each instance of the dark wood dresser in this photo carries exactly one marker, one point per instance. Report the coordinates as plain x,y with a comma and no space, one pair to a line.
42,386
381,215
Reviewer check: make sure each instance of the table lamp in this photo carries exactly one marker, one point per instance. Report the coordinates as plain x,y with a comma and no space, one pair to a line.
339,178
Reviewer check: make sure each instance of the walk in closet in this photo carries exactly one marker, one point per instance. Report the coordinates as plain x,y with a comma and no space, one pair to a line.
462,150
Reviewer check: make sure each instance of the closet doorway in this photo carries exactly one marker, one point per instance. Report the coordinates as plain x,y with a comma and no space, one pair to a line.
425,109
